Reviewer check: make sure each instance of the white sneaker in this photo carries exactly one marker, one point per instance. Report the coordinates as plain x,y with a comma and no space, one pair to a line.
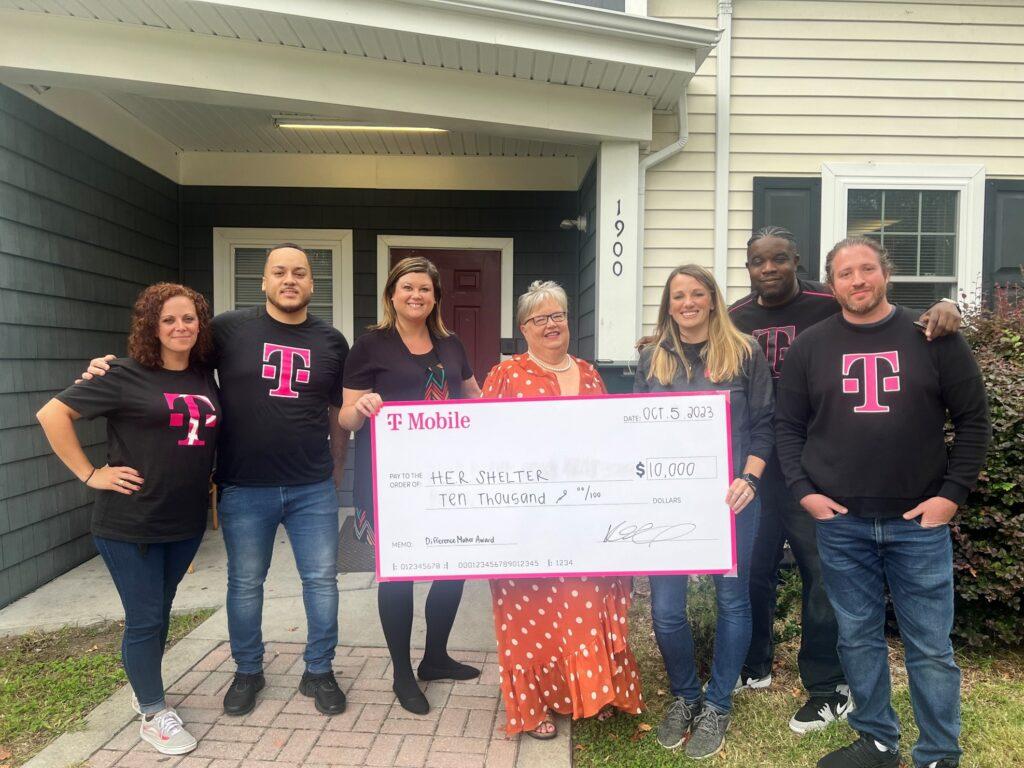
166,733
135,704
752,683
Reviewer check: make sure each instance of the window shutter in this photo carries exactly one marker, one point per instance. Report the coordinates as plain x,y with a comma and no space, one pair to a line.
1004,232
793,203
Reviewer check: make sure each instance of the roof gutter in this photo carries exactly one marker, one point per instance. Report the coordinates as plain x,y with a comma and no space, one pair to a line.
583,18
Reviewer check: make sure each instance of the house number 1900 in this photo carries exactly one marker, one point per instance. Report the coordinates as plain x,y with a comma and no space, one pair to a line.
617,246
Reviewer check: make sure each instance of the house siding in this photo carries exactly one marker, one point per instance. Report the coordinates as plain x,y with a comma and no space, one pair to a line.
83,228
923,83
542,251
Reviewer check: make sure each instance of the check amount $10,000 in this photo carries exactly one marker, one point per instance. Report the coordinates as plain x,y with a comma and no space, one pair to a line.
619,484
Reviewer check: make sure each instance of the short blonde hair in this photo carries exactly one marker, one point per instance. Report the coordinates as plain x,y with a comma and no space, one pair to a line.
539,292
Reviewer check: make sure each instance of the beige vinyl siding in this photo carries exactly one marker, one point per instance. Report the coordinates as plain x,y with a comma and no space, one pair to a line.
815,81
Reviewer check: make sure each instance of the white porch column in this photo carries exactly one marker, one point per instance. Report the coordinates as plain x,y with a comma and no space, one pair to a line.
618,262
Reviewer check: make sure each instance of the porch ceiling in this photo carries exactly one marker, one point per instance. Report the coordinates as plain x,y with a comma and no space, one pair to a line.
201,127
535,40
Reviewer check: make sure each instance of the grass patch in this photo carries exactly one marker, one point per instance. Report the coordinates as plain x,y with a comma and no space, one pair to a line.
50,681
759,736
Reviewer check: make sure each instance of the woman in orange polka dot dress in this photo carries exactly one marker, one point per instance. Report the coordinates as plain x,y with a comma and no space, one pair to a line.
562,642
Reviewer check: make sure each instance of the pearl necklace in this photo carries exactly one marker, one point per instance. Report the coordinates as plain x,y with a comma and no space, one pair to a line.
552,368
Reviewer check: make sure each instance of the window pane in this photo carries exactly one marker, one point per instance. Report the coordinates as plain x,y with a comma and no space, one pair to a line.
901,209
938,255
249,263
919,296
938,211
864,213
903,252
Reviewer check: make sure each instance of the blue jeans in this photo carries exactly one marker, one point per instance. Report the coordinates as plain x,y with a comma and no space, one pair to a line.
146,577
859,556
249,516
732,630
782,520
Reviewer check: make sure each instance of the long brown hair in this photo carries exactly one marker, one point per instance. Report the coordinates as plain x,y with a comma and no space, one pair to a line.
406,266
143,339
727,349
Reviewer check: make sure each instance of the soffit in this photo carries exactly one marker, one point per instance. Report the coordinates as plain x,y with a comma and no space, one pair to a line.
258,21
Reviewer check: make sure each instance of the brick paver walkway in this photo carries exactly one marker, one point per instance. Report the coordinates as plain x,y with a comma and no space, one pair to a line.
464,729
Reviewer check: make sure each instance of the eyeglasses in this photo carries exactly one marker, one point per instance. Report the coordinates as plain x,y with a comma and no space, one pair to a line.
554,317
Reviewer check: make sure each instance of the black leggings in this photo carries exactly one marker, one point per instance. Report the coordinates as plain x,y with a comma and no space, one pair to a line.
394,602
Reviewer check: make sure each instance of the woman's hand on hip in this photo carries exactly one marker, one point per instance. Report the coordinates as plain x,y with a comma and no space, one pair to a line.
120,479
368,404
739,495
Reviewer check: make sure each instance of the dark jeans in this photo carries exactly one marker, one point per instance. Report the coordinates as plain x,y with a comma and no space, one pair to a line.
250,516
859,557
146,577
732,629
783,519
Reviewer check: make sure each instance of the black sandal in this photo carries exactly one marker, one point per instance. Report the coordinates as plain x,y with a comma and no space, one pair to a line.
549,720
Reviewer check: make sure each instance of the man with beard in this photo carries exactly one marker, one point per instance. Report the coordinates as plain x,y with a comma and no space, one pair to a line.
860,417
280,375
778,309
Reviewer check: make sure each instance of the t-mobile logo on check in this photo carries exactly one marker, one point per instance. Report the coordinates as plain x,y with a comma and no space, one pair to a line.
292,367
872,369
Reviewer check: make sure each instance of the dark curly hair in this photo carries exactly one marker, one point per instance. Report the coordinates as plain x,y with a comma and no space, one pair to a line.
143,341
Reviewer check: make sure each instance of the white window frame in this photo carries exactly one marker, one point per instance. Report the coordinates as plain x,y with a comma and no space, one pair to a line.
504,244
339,241
837,179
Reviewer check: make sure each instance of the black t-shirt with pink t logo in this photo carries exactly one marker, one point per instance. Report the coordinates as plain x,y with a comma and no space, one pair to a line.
163,424
277,381
861,412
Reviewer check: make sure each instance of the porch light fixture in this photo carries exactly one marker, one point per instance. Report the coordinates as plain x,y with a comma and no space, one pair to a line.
304,123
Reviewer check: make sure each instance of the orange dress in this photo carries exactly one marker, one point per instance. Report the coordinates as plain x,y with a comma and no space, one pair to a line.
562,642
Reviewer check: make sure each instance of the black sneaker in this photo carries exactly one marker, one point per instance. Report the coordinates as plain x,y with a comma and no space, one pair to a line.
821,711
241,696
323,688
946,762
863,753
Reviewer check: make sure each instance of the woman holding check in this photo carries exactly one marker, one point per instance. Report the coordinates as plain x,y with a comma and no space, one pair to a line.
697,348
409,355
152,494
562,642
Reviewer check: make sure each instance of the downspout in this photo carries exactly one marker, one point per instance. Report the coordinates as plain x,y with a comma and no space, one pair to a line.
723,92
647,162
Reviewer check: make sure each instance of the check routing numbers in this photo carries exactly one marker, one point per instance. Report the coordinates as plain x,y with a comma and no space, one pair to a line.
485,488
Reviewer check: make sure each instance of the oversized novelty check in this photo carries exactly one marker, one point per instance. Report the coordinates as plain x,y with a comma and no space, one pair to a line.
622,484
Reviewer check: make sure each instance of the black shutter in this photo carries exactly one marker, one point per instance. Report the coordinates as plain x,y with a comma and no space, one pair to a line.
1004,232
793,203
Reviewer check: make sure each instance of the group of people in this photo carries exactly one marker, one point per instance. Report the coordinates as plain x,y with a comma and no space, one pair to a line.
841,452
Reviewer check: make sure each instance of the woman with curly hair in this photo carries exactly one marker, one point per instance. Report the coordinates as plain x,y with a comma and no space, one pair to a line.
150,512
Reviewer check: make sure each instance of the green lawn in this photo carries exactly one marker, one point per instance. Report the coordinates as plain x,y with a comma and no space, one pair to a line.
50,681
993,704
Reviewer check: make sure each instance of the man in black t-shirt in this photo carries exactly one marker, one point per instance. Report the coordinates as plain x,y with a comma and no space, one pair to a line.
860,420
779,308
280,454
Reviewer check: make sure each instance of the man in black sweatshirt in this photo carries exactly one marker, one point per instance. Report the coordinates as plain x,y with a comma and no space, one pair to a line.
779,308
860,416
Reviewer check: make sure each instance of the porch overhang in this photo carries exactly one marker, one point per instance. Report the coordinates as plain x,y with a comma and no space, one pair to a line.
532,69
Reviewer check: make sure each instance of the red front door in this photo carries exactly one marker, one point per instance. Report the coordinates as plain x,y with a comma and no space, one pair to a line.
471,308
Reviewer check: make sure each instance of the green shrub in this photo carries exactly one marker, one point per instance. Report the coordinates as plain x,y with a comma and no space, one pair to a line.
988,532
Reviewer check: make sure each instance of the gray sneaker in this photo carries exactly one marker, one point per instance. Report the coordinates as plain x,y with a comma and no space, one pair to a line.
676,722
166,733
708,736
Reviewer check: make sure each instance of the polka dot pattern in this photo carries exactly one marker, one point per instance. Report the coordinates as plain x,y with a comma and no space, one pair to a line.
512,378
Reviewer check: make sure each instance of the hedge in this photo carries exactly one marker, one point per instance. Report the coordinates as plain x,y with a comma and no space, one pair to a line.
988,531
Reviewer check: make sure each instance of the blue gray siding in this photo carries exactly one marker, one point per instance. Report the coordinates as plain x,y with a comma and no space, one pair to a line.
586,306
82,229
